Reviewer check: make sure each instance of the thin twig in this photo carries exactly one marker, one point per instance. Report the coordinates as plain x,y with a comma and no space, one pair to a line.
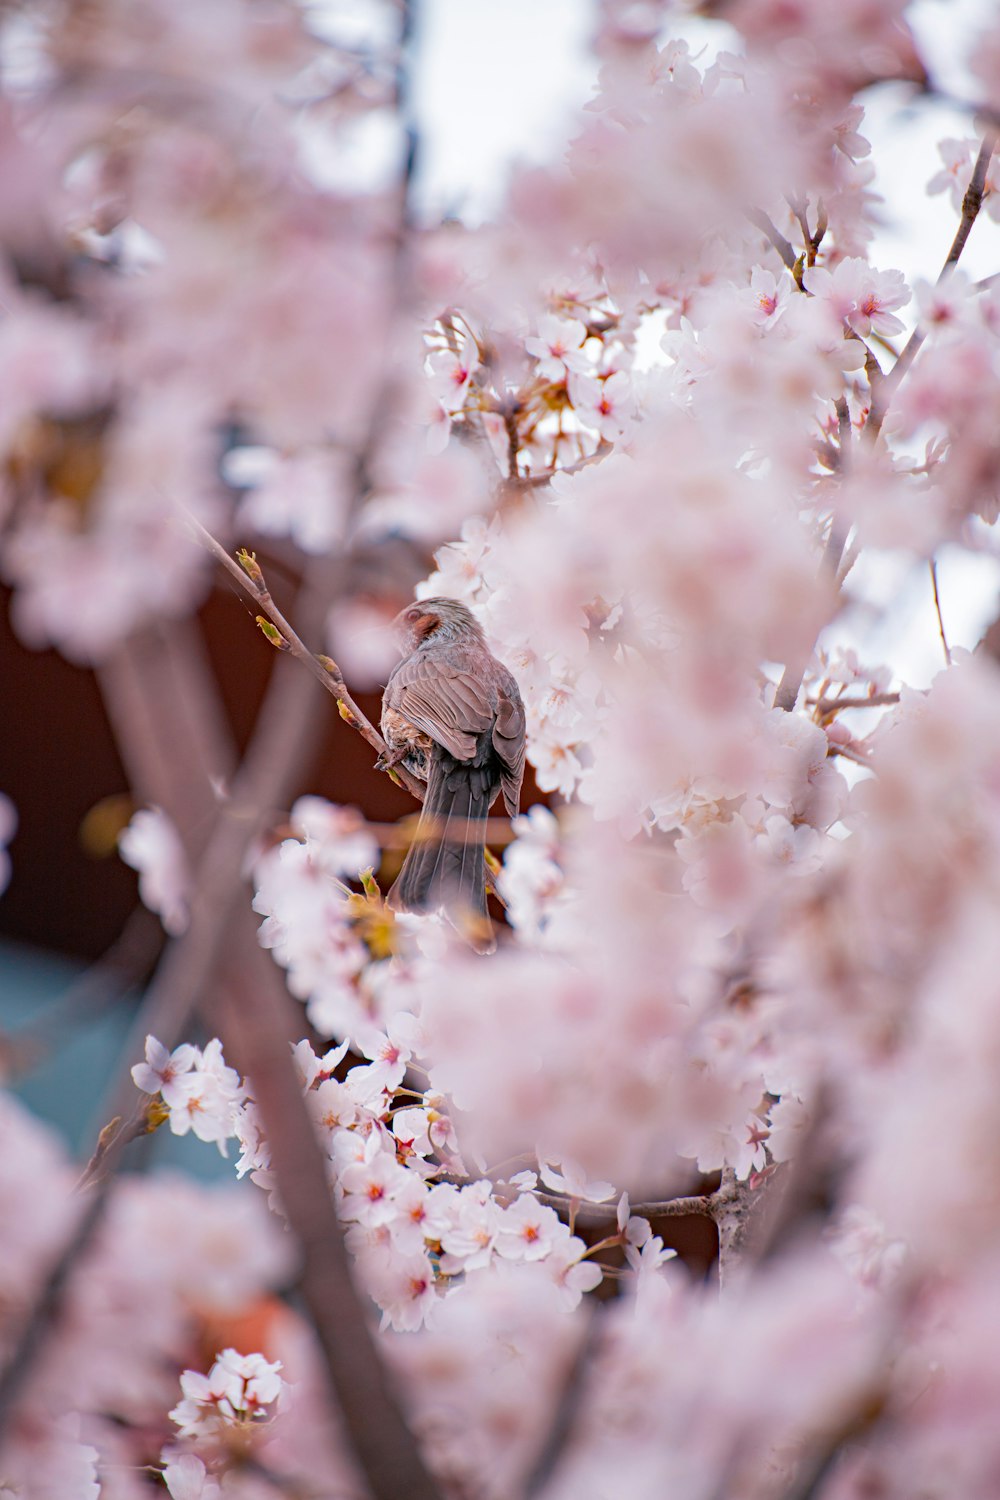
326,672
761,221
116,1135
850,754
971,204
937,606
825,706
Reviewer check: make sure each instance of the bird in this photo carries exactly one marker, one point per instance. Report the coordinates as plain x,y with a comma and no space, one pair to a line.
452,715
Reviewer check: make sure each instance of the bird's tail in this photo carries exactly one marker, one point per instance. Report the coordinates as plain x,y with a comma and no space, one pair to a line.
445,866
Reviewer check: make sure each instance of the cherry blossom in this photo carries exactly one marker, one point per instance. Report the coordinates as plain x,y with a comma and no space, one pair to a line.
557,347
162,1070
152,845
239,1390
859,296
201,1093
186,1478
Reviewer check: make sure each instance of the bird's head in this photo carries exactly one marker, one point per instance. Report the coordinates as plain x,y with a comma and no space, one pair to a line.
435,620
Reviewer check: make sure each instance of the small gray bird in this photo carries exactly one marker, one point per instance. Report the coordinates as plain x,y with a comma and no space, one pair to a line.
453,715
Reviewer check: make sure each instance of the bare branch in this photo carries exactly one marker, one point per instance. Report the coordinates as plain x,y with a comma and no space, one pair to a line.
567,1408
326,671
971,204
106,983
761,221
265,1017
826,706
700,1205
937,607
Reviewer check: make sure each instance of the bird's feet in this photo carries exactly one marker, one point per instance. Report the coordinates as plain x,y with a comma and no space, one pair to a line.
390,758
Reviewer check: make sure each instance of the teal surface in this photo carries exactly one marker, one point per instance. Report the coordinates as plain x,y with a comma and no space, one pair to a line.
59,1061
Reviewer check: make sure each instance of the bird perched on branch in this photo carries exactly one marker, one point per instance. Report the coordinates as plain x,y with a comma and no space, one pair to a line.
452,714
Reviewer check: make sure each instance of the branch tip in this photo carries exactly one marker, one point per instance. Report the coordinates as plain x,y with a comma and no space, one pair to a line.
251,567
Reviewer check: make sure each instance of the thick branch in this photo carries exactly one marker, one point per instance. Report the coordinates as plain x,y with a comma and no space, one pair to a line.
566,1410
266,1018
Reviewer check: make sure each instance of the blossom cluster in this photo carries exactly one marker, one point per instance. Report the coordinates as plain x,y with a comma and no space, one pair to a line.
200,1093
417,1237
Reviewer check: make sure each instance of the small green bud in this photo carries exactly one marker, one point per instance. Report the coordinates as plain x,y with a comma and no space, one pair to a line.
271,633
329,665
251,567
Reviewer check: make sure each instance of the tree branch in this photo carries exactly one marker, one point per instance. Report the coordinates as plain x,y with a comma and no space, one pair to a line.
937,608
761,221
566,1408
971,204
700,1205
325,670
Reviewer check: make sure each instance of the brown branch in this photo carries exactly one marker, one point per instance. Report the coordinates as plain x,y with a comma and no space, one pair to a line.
44,1313
791,681
761,221
746,1212
825,706
116,1135
566,1408
971,204
700,1205
850,754
326,671
263,1017
937,607
105,984
257,1028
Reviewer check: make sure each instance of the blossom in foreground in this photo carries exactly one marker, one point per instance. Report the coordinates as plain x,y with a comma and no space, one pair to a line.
152,845
201,1093
239,1391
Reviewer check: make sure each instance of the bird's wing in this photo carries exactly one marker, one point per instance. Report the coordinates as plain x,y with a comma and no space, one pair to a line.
444,698
508,739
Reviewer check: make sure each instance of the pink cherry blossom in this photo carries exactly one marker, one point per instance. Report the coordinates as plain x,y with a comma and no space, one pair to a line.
859,296
162,1070
152,845
557,347
528,1230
